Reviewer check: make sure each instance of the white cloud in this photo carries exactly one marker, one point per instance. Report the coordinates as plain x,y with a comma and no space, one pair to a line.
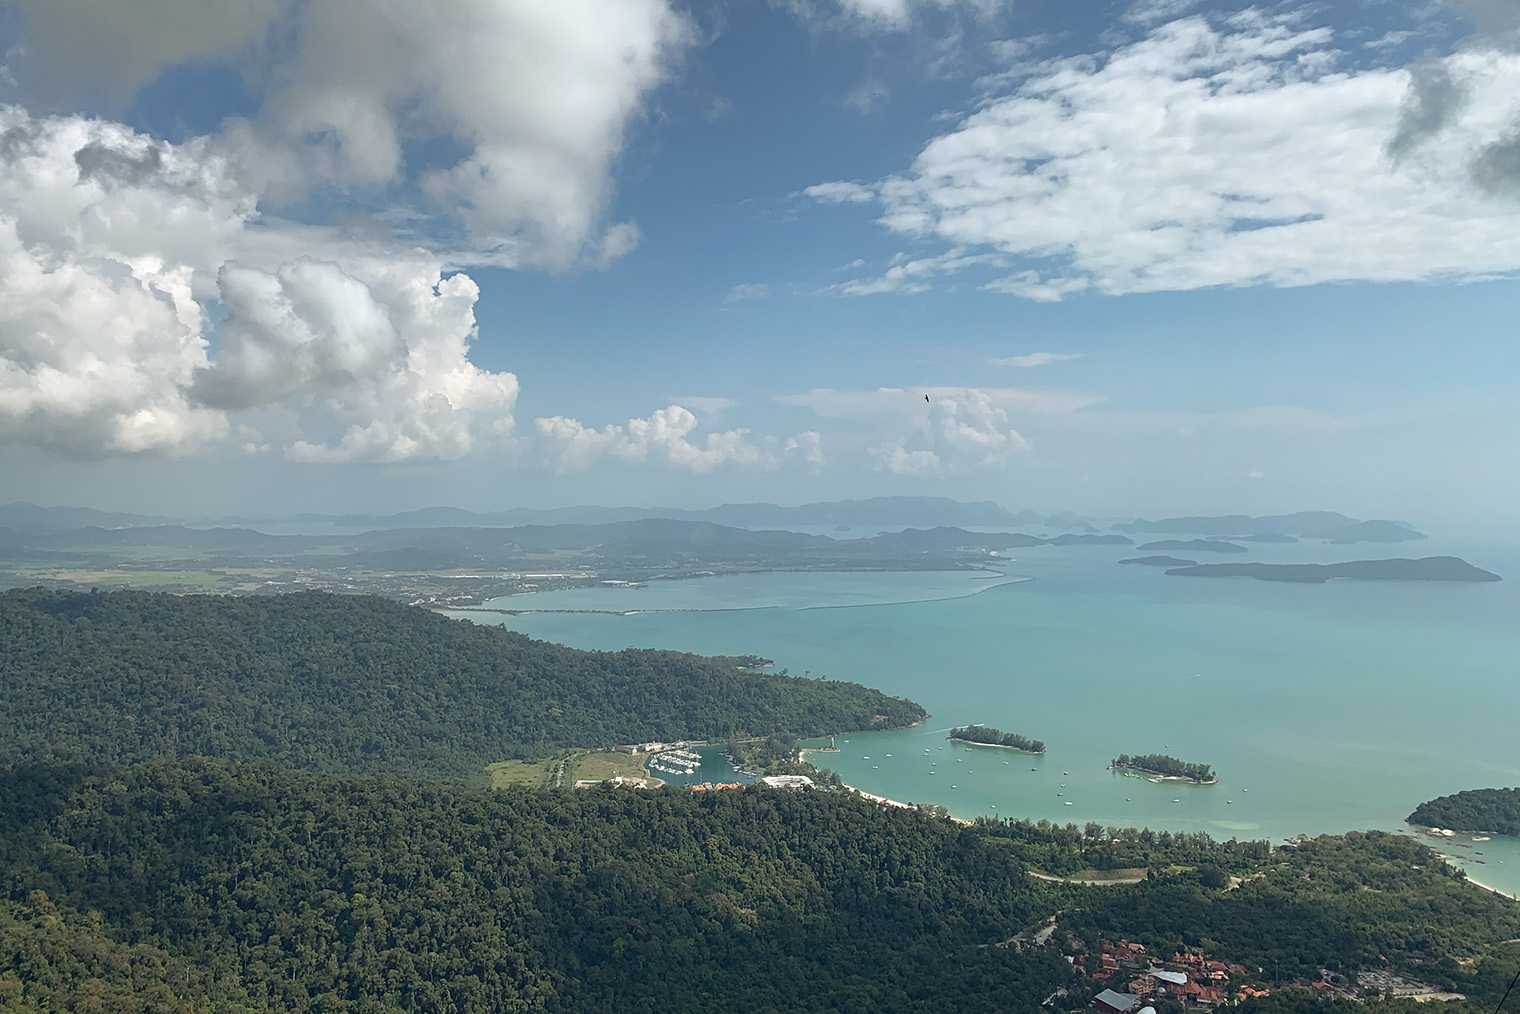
1256,473
747,291
386,355
840,192
566,445
100,330
959,433
908,276
1038,359
536,100
1236,153
111,243
126,260
1151,12
884,15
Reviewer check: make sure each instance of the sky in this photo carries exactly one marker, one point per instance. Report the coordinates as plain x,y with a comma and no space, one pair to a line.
272,256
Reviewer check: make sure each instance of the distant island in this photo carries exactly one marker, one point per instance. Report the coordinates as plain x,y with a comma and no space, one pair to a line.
1326,525
1070,539
1495,810
984,736
1196,545
1165,768
1430,568
1301,523
1369,531
1160,561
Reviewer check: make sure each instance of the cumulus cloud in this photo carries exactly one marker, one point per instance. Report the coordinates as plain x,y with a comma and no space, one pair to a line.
487,136
1038,359
964,432
385,354
1227,152
100,329
113,242
664,438
536,99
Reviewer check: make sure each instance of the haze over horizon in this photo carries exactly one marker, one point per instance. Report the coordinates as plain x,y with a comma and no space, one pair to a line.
1158,258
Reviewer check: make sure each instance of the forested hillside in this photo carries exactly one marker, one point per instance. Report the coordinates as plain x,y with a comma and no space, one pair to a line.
209,885
332,894
357,683
1496,810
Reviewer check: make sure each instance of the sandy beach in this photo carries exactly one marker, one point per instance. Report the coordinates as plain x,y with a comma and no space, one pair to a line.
1478,883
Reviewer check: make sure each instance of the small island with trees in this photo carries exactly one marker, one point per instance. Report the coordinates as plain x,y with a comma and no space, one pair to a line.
1474,810
1162,768
981,735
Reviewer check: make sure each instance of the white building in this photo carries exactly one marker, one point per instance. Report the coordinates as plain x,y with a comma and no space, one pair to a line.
788,781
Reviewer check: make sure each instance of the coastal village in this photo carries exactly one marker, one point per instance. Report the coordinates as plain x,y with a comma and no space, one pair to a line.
1196,981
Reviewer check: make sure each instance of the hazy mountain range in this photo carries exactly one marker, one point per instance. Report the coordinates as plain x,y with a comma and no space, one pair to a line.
876,512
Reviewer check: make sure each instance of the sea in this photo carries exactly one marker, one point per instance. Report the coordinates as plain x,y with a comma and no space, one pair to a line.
1322,708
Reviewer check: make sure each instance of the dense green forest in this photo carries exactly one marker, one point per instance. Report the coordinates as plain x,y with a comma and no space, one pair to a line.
333,894
357,683
210,885
1167,767
996,737
1496,810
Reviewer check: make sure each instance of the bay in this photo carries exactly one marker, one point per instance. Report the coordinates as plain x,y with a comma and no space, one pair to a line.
1323,708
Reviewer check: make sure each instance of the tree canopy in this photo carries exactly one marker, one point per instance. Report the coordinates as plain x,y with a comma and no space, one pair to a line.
1496,810
358,683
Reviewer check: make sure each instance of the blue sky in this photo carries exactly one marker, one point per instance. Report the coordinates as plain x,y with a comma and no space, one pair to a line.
1142,258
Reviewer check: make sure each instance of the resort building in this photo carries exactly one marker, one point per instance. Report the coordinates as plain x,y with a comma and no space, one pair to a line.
1115,1003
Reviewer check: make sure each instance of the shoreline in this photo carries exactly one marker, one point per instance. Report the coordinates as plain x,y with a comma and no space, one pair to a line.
884,801
1158,777
1481,884
530,611
997,746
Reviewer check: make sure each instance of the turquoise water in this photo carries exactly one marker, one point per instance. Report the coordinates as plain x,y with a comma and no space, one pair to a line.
1323,708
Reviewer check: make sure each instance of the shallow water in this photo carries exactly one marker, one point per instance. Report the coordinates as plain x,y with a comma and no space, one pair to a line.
1323,708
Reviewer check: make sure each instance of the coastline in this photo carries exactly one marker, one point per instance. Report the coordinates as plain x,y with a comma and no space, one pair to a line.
997,746
884,801
1492,890
1157,776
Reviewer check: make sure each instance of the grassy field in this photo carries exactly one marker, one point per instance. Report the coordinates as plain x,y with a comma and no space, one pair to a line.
601,766
203,579
536,773
578,765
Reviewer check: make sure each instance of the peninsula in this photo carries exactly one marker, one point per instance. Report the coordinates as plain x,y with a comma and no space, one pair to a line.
1430,568
1160,561
1162,768
981,735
